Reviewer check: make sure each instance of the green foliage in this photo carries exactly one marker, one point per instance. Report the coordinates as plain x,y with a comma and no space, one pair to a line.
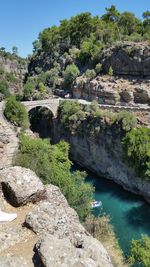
90,74
126,119
72,115
52,77
10,77
15,50
98,68
66,110
136,146
140,252
42,89
52,165
71,73
28,90
4,88
16,113
110,71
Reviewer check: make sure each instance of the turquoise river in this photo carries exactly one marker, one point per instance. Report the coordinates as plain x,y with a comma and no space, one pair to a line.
130,214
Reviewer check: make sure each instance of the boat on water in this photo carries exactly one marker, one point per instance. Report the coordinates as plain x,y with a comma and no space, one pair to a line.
96,204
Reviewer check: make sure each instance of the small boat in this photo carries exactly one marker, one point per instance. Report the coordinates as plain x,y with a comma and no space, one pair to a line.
96,204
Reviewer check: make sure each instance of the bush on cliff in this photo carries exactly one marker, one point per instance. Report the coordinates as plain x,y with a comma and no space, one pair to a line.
16,113
4,90
140,252
71,72
52,165
136,146
72,114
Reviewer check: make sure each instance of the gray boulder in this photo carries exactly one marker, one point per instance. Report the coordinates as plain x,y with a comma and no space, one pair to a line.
60,252
63,240
21,185
11,261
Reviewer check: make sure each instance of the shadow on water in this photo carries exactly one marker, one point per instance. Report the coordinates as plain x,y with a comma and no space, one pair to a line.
114,190
139,217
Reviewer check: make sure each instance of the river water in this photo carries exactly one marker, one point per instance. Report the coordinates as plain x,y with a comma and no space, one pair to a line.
130,214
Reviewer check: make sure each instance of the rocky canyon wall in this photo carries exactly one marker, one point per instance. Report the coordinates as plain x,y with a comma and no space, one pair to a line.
104,156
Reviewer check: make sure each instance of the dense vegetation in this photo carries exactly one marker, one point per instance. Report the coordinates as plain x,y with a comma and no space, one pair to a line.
90,119
136,146
52,165
16,113
140,252
78,43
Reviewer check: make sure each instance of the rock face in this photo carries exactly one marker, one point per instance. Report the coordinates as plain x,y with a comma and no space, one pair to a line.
62,240
58,227
8,140
16,66
104,156
113,90
20,185
128,59
131,81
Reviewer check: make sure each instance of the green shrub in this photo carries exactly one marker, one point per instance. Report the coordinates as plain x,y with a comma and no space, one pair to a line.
16,113
4,89
90,74
110,71
98,68
140,252
127,120
71,73
136,147
28,90
51,163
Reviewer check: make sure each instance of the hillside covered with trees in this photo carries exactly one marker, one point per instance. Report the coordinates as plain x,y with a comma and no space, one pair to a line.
76,47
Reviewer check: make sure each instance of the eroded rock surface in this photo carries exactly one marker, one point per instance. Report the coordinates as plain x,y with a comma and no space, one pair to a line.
58,226
58,240
113,90
20,185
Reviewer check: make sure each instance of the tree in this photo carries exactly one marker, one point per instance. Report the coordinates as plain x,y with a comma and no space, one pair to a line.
110,71
112,14
15,50
136,146
71,73
146,14
16,113
90,74
129,24
28,90
140,251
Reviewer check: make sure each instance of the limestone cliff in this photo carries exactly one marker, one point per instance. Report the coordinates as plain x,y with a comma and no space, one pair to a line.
13,70
128,59
130,63
103,155
113,90
46,224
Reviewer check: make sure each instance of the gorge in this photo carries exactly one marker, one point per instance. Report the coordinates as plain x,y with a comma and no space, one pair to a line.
80,103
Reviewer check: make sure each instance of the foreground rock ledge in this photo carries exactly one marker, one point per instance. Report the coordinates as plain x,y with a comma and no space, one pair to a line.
20,185
62,240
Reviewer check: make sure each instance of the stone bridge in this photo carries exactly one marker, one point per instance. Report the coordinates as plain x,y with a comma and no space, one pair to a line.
52,104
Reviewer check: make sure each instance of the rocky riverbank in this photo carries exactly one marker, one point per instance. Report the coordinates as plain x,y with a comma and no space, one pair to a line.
45,224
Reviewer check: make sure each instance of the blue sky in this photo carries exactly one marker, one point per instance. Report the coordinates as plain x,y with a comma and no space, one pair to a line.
22,20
